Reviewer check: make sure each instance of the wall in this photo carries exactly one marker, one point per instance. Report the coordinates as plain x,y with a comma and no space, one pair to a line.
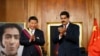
15,11
2,10
93,11
48,11
77,9
80,10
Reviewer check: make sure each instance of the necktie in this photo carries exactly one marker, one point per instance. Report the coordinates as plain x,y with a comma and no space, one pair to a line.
64,26
65,29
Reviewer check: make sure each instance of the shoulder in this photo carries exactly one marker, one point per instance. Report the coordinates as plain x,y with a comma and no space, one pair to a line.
74,25
60,26
39,30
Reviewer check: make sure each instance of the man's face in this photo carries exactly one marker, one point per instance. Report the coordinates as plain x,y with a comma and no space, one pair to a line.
33,24
64,19
10,41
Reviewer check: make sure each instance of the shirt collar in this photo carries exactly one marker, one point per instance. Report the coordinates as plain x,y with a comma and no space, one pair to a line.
32,31
67,24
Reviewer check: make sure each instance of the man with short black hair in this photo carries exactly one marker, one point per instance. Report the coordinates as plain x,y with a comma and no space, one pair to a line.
67,37
32,38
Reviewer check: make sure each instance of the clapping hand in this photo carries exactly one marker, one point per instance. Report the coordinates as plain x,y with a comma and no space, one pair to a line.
32,38
62,30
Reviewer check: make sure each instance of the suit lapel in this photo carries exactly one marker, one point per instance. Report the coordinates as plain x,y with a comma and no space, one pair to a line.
36,33
69,26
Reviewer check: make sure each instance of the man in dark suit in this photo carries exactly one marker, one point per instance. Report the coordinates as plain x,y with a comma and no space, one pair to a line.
32,38
67,37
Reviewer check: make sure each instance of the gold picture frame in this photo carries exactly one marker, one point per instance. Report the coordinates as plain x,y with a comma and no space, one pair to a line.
49,24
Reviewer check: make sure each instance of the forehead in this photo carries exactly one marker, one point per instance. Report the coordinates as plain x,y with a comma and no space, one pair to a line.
33,20
11,31
63,16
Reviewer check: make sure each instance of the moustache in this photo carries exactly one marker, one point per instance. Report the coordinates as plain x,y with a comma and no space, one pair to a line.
63,21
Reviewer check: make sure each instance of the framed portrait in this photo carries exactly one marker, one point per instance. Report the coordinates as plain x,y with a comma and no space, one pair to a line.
22,25
51,26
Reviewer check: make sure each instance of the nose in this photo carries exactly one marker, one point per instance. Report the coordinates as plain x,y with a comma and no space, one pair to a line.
63,19
12,41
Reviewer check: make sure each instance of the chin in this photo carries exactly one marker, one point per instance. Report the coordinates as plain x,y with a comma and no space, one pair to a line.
12,53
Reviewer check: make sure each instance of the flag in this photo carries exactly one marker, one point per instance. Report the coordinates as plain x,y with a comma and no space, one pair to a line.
94,44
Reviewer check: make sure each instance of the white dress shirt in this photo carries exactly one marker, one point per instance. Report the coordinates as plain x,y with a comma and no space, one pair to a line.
32,31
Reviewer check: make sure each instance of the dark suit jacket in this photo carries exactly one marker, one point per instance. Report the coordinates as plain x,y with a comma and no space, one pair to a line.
29,48
69,43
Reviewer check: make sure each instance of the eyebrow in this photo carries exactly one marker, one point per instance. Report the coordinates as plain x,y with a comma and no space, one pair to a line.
12,35
64,18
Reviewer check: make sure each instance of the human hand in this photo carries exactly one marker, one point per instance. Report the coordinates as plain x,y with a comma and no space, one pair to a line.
32,38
